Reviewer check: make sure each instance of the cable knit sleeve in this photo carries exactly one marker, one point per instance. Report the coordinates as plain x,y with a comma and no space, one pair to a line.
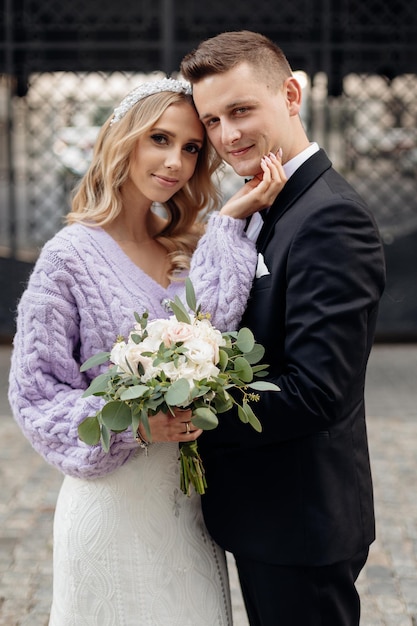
80,296
222,270
46,386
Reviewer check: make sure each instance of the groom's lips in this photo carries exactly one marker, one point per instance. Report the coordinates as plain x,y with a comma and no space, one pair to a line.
241,151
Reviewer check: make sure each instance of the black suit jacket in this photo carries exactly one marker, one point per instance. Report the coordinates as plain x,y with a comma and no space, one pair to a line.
300,492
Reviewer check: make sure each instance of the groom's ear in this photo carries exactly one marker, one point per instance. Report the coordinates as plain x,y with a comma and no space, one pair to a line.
293,93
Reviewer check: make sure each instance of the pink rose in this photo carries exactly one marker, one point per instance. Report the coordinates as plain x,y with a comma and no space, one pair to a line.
177,332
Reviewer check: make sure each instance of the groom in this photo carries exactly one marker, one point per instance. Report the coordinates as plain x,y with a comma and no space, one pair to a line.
294,504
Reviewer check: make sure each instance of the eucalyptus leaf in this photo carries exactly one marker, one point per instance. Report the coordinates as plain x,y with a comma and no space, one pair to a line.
223,360
131,393
145,421
252,419
179,310
116,415
89,430
96,359
223,404
178,393
129,366
156,404
256,354
235,380
245,340
242,414
105,438
205,418
243,369
190,294
142,320
261,373
198,392
263,385
135,421
98,385
260,370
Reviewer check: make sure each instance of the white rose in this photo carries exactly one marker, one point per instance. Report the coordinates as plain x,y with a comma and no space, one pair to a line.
212,336
156,329
134,356
124,354
206,370
118,356
149,344
150,372
202,351
186,369
206,334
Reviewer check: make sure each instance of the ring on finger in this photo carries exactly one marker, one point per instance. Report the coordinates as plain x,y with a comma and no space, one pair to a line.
187,428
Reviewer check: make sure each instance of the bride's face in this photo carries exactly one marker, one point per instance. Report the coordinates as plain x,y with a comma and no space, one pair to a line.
165,157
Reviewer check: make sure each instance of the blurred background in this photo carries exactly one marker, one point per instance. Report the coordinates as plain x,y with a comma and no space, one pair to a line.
64,66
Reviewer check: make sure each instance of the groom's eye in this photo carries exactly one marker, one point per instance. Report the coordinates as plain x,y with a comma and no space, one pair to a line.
241,110
211,121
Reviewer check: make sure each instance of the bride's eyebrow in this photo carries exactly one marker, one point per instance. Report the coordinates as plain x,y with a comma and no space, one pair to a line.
164,131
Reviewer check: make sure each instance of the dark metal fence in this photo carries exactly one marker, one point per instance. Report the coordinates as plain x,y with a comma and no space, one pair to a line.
63,67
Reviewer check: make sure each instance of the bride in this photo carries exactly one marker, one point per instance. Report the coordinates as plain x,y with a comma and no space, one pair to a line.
129,546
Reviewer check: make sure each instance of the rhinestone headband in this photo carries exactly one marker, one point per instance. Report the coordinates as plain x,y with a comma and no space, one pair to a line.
148,89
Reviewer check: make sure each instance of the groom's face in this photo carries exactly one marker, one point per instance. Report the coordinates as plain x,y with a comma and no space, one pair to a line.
245,117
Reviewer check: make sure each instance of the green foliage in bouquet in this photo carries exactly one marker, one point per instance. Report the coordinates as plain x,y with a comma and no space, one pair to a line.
166,376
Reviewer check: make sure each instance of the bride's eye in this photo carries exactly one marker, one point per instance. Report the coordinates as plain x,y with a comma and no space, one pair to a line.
192,148
159,139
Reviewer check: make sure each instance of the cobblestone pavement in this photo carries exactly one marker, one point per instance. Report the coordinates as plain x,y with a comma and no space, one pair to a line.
388,584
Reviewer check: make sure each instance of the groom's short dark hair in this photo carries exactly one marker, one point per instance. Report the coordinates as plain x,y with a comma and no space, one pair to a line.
226,50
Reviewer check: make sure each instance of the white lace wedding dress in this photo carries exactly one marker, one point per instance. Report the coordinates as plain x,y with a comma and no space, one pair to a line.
131,549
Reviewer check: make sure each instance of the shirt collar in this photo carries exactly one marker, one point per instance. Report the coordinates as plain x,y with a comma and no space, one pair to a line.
293,164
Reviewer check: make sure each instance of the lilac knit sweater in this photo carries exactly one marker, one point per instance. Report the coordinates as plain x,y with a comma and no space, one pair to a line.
81,295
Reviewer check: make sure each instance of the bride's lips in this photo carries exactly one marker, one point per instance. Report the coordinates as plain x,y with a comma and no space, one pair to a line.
166,182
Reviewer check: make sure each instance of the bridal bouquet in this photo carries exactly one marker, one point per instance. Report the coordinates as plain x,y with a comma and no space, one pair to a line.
184,362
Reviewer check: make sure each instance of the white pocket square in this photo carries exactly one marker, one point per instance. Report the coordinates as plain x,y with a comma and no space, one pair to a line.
261,268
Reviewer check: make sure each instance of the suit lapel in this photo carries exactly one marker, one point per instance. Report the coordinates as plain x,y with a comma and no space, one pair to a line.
297,185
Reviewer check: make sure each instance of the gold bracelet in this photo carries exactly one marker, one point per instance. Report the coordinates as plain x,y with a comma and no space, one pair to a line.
142,441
